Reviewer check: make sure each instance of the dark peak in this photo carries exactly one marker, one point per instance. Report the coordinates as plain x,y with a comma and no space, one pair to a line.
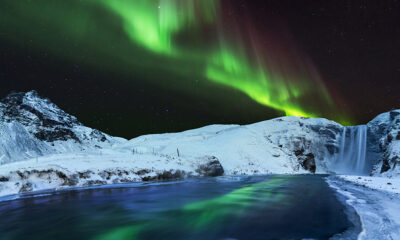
42,117
16,98
31,100
32,93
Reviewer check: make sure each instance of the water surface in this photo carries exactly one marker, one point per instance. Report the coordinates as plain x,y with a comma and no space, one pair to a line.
258,207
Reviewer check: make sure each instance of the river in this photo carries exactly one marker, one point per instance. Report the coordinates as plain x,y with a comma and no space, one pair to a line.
248,207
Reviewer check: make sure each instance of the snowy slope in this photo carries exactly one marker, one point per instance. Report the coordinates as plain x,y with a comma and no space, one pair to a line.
43,147
31,126
275,146
377,207
385,128
104,167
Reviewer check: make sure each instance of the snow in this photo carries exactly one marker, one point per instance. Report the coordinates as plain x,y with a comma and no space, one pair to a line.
59,171
387,145
276,146
239,149
377,207
390,185
39,136
262,148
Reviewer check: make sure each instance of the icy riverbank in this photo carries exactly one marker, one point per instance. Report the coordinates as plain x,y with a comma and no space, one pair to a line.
376,205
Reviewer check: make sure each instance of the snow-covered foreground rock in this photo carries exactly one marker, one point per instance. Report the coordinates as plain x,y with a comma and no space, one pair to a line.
390,185
42,147
376,204
83,170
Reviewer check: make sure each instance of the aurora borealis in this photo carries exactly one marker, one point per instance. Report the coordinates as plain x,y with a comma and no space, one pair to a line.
153,25
233,61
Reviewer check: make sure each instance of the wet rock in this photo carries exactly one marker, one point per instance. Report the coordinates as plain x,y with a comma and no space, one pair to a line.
211,169
298,152
73,180
334,128
147,178
94,183
106,175
142,172
116,181
96,134
127,180
389,138
327,133
22,175
385,165
26,187
56,134
171,175
332,149
307,161
121,173
4,179
393,114
315,128
85,175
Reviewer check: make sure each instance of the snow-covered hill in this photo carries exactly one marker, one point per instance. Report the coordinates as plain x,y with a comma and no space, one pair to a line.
43,147
31,126
384,136
282,145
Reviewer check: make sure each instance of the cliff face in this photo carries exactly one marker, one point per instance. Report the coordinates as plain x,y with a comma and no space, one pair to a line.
385,143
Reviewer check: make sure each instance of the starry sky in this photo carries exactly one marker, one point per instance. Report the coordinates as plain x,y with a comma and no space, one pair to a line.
133,67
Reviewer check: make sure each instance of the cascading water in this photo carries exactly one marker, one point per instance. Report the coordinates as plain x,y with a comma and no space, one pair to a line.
352,153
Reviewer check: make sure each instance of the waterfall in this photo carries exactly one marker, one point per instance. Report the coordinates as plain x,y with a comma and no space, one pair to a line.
352,153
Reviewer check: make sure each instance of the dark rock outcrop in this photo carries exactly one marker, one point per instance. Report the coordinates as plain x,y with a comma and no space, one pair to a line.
44,119
307,161
4,179
33,126
212,168
26,187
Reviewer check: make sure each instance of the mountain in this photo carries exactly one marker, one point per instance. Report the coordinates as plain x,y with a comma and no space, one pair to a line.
42,147
31,126
384,139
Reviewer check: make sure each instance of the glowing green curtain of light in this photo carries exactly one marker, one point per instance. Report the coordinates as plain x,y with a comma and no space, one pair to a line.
227,68
154,23
149,42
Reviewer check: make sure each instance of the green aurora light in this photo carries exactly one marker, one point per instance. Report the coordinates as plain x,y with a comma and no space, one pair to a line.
153,34
153,25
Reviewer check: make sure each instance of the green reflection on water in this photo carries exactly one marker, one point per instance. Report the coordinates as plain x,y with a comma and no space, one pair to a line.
199,216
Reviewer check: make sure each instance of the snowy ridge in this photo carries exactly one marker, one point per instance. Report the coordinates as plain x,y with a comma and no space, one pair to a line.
385,131
275,146
43,147
31,126
376,205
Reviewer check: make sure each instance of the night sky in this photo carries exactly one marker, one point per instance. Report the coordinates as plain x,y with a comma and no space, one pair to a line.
133,67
